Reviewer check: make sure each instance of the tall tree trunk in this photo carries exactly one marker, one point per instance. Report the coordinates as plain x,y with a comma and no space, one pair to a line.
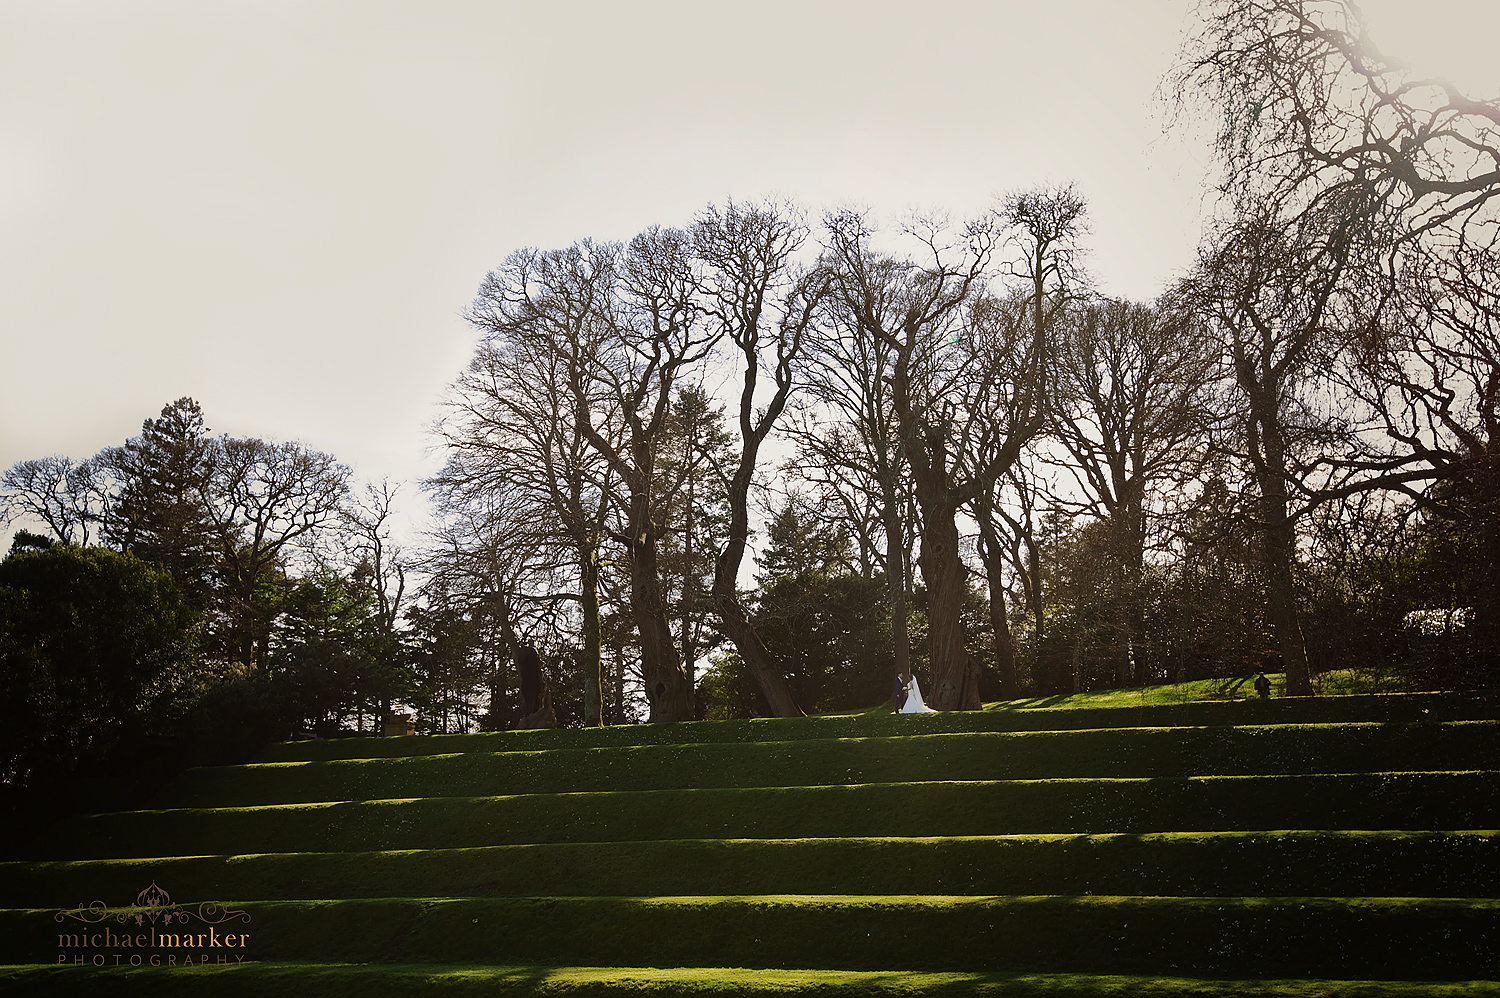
1475,506
667,688
1135,572
685,602
617,682
733,617
1281,597
593,654
994,559
1136,623
752,651
955,681
1280,546
1127,573
895,579
955,684
1034,593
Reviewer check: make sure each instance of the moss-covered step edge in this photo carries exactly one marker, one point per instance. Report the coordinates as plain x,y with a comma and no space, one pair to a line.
1292,710
1387,864
1125,752
1376,801
461,981
1384,938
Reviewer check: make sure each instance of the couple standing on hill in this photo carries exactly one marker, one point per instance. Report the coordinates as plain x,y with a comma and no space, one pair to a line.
908,697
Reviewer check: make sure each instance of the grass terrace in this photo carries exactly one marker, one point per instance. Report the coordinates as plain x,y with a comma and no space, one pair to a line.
1176,842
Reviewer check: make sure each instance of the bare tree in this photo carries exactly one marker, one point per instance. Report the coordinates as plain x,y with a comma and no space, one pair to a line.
1011,519
518,461
757,301
378,559
623,324
832,459
1002,536
1311,114
68,496
1429,374
1391,178
850,449
264,498
380,568
1045,227
655,336
1132,411
960,357
494,579
1273,292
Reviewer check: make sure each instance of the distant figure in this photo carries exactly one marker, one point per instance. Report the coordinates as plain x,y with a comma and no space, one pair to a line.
1263,686
545,716
529,665
913,703
899,697
536,698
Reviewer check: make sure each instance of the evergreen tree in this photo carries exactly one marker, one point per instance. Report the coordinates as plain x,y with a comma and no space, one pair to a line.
694,506
802,541
829,627
98,652
160,514
331,657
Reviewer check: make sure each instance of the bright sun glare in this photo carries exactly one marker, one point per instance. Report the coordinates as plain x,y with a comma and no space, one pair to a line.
1455,39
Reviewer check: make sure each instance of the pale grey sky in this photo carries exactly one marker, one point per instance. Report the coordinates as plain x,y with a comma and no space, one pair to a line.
281,208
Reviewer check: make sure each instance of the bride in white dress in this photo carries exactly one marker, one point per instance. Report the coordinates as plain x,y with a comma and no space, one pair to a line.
914,703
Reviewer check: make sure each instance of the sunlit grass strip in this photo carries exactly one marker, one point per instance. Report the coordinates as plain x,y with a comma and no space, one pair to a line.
1127,752
1418,864
1338,682
363,980
1050,714
1412,801
1237,688
1403,938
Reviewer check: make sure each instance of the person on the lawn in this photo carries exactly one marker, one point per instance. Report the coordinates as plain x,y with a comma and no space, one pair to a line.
914,703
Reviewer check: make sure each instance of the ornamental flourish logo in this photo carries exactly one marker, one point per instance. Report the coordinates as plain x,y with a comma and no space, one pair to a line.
154,932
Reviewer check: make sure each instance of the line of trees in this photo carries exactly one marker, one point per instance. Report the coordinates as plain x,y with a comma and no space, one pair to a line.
958,456
252,593
1269,464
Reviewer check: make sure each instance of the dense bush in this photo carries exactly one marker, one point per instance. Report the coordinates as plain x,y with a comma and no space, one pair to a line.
97,651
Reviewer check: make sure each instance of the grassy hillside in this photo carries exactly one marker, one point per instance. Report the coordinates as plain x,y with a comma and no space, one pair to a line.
1335,845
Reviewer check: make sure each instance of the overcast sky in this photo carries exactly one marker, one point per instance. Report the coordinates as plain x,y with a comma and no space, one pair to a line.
281,208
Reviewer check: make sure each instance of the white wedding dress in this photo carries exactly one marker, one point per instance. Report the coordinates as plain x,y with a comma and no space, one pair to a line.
914,703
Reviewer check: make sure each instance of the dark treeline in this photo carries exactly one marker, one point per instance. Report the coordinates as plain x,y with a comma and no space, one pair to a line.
931,444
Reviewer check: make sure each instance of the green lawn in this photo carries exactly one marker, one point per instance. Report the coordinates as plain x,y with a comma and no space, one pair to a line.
463,981
1189,692
1166,842
1341,682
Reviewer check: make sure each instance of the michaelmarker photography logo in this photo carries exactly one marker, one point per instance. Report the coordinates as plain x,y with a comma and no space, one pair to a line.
153,932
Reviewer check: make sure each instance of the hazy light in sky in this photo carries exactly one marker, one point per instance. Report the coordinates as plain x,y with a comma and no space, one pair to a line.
1455,39
281,208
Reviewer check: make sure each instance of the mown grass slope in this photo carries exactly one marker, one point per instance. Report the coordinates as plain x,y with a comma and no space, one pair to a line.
1322,846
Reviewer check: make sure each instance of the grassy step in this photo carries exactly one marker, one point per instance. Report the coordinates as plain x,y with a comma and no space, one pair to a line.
1233,846
1417,864
1402,938
1415,801
463,981
1129,752
1294,710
